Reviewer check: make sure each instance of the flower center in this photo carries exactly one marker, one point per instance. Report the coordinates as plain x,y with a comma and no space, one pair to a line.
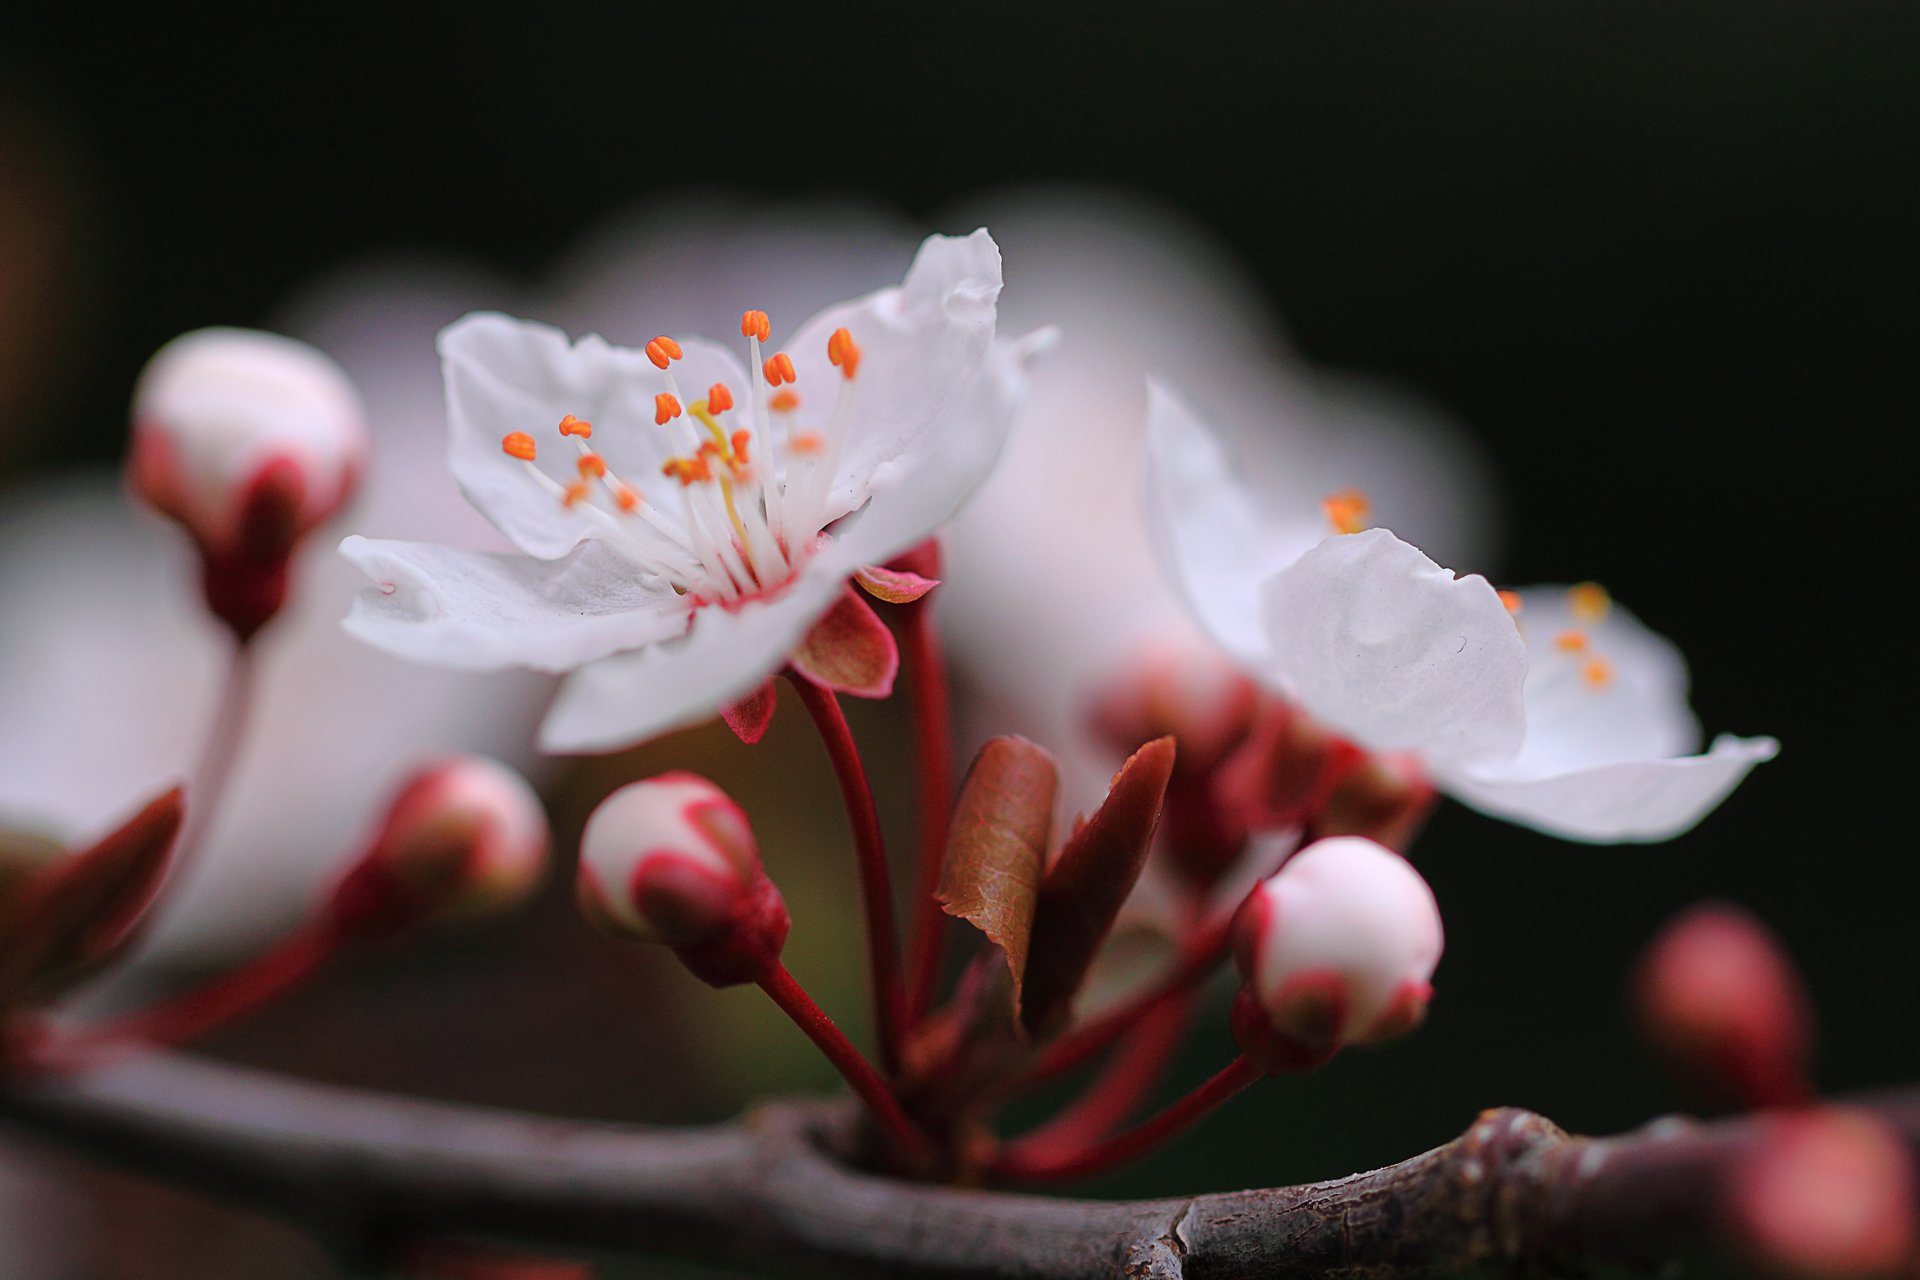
1589,604
751,488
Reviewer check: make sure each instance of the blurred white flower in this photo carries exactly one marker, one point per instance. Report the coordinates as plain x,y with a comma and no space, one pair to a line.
678,560
110,669
1551,707
1050,589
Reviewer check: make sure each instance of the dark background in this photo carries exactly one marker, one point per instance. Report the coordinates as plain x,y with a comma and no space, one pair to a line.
1657,255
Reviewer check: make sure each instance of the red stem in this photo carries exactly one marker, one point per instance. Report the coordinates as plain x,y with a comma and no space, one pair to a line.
213,773
1043,1163
1129,1079
876,889
933,739
269,974
1200,955
793,1000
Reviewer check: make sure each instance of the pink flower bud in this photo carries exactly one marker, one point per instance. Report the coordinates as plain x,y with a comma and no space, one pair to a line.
1179,687
1283,774
249,440
1830,1193
1384,798
464,837
1337,949
673,860
1718,995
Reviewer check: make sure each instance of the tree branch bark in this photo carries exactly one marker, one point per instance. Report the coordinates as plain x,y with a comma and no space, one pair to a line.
360,1171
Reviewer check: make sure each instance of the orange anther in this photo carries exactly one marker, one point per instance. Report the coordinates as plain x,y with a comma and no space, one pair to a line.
1589,602
719,399
784,401
753,324
592,466
778,368
1511,602
843,352
1570,641
663,351
572,426
739,442
1598,673
576,492
518,444
808,442
626,498
1347,511
665,409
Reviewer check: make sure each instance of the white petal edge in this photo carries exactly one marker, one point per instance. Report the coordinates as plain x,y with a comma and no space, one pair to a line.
477,611
1212,544
632,697
1392,650
923,498
1639,801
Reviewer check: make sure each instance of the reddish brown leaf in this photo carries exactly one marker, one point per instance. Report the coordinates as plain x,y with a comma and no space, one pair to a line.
1083,890
850,650
74,914
997,846
750,716
895,586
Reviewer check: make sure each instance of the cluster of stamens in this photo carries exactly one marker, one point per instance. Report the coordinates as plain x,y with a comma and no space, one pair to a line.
753,499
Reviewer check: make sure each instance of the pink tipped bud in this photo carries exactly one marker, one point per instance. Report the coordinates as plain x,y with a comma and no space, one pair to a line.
249,440
1384,798
1718,995
673,860
1182,688
465,837
1829,1194
1336,949
1283,774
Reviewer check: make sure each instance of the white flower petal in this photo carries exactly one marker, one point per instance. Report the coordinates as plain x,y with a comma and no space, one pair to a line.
478,611
632,697
922,346
1634,708
505,375
1392,650
1628,800
1210,539
923,499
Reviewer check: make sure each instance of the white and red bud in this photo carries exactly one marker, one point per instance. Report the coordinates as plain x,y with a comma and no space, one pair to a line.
673,860
1384,798
249,440
1337,948
1286,768
464,837
1718,995
1829,1195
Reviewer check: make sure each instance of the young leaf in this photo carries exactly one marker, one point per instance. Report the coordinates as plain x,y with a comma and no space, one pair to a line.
75,913
997,846
1082,892
895,586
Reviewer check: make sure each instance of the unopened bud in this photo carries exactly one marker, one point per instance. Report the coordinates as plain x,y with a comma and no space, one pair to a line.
249,440
1284,772
1718,995
1829,1194
465,837
1384,798
1337,949
673,860
1181,688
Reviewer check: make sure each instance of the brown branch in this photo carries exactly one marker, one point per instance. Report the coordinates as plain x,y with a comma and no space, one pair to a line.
1513,1194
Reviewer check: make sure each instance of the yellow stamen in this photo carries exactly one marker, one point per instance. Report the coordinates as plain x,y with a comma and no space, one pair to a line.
1347,511
1589,602
518,444
1511,602
1570,641
1598,673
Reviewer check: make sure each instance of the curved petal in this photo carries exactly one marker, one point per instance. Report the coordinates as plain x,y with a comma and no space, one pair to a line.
505,375
1627,800
922,346
1392,650
1211,541
631,697
477,611
1598,690
924,498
